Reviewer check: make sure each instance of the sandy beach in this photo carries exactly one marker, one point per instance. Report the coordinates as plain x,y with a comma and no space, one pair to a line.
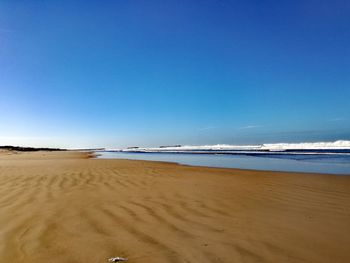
64,207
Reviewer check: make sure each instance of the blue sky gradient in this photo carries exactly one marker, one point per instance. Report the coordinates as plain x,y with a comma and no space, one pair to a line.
124,73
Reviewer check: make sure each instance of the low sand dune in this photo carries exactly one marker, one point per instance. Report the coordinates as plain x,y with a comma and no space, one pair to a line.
63,207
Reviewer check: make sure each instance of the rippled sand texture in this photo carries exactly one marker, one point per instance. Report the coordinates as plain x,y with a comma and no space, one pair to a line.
62,207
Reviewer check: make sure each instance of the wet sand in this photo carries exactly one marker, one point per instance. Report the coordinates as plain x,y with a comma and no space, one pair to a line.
64,207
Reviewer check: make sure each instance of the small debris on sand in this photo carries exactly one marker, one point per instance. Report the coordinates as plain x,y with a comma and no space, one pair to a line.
117,259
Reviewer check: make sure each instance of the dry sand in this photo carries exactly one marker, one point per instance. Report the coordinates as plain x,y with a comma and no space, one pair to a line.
63,207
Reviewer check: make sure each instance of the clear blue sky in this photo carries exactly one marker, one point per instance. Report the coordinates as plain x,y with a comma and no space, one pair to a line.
123,73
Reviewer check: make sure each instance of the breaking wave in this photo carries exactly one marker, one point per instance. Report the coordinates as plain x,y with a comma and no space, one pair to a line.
342,146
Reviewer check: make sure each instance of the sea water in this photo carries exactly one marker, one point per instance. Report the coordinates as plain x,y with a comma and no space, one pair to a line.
309,163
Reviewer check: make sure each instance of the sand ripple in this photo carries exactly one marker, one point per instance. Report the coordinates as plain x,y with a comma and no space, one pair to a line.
61,207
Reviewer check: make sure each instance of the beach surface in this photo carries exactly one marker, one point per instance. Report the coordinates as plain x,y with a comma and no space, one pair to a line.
64,207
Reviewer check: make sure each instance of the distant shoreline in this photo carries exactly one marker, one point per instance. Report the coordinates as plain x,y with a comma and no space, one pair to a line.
29,149
35,149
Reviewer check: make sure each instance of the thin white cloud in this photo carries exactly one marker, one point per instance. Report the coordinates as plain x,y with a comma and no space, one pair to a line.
250,127
206,128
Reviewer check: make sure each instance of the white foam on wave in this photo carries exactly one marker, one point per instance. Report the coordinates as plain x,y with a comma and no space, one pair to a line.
336,145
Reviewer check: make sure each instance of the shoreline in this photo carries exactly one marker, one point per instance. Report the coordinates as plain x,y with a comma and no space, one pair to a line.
94,209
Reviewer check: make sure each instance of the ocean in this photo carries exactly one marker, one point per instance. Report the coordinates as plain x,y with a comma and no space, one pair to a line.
308,161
